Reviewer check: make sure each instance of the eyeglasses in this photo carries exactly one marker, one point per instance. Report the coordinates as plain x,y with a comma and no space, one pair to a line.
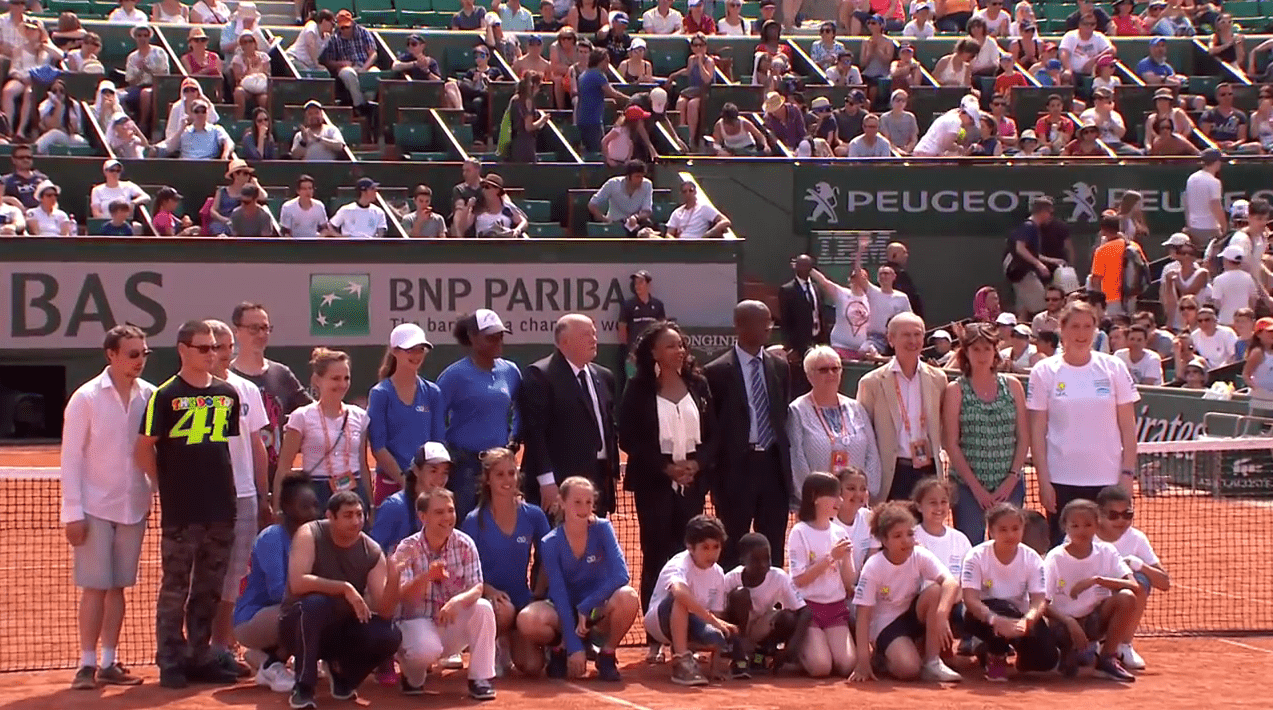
114,170
828,32
998,103
203,349
1125,515
200,110
480,55
200,39
257,328
1087,24
413,43
190,90
828,369
135,354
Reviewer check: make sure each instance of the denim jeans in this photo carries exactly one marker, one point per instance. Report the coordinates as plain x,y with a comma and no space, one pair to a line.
970,518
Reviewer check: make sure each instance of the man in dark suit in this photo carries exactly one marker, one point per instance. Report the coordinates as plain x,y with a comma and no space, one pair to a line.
800,311
568,426
750,389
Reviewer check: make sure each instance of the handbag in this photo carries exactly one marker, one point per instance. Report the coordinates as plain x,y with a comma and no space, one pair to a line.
330,449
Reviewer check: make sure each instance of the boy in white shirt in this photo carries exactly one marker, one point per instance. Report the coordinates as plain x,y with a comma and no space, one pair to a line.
1215,343
1235,288
1091,594
1145,365
765,606
691,587
1116,528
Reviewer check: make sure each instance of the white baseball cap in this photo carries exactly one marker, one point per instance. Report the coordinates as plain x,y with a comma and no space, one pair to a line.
407,336
1022,330
1239,209
941,335
1233,252
431,452
1006,319
489,322
1178,239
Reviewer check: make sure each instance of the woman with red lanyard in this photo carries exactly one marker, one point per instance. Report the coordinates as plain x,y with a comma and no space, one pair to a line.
827,430
330,436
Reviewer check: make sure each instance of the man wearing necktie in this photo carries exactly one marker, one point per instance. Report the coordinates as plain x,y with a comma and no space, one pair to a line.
750,389
567,406
800,310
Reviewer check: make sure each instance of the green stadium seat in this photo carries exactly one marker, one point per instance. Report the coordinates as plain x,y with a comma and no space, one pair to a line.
95,225
377,12
411,137
351,132
543,229
604,230
285,131
662,211
537,210
78,150
335,5
414,5
450,7
546,157
319,73
463,133
430,156
593,158
82,8
235,128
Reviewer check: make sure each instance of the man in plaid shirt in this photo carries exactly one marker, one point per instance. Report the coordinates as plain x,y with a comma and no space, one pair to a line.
442,608
351,51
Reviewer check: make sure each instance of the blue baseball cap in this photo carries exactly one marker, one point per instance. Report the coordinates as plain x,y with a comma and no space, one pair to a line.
620,17
1157,40
1055,64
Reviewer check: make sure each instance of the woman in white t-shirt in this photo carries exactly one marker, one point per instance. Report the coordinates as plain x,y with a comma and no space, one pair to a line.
101,196
852,314
1082,423
733,23
822,569
896,609
1005,597
330,436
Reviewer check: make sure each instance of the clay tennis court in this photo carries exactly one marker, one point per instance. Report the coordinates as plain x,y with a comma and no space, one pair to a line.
1218,553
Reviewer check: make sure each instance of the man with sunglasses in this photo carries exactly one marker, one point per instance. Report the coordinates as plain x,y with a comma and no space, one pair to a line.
105,499
185,451
200,140
1211,341
1050,317
21,183
1227,125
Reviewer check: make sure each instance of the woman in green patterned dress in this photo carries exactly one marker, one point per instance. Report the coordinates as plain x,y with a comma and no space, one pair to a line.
986,432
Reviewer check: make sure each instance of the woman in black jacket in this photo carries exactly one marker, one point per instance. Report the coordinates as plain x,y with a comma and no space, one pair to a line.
663,424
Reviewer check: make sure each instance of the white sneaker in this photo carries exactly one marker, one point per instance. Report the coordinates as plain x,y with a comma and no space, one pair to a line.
452,663
276,677
940,672
1131,660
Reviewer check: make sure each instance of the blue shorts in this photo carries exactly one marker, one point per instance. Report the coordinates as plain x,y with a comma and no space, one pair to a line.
700,634
1143,580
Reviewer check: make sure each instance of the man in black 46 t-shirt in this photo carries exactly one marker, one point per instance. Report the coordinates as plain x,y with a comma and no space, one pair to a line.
184,450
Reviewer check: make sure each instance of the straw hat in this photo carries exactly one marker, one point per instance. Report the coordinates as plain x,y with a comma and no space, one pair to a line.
236,165
773,101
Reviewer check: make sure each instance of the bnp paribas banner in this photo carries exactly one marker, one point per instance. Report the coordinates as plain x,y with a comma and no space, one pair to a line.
71,304
992,199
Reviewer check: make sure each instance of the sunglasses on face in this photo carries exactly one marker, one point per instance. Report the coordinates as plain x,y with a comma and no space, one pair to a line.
1124,515
480,55
115,170
135,354
200,39
203,349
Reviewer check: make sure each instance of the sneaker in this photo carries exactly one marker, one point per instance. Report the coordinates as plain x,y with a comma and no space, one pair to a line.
940,672
212,672
996,668
302,698
685,671
740,670
85,678
452,663
340,689
557,663
1109,667
172,678
1129,658
226,660
654,653
117,674
608,667
276,677
407,688
481,690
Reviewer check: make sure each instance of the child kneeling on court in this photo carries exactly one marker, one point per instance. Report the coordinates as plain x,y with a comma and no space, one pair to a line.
1091,594
1005,598
1116,529
689,600
820,561
764,605
895,608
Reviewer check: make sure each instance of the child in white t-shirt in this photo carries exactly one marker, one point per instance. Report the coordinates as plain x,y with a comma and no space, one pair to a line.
894,608
1005,598
822,569
763,603
1091,593
854,516
692,585
932,500
1116,528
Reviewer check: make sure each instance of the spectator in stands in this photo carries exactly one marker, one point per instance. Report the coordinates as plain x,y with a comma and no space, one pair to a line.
228,197
165,221
1105,78
525,121
1125,22
987,142
118,225
169,12
1226,124
921,25
69,33
662,19
13,220
127,14
1165,141
46,218
953,15
996,18
353,644
955,69
1145,365
700,71
257,142
514,17
1054,128
899,125
363,218
876,54
1262,120
245,20
250,75
1028,144
986,431
548,22
1109,122
628,134
842,73
1087,7
694,219
1008,77
947,131
35,52
250,218
636,69
589,16
60,120
768,10
594,88
350,52
1204,201
464,196
1244,326
562,54
181,114
494,215
1235,288
1086,143
312,41
498,41
469,17
532,59
303,217
1082,47
826,51
763,75
1192,373
1174,21
1214,343
418,65
1005,125
697,21
735,136
821,138
1154,69
733,24
473,88
1165,108
848,120
870,144
199,61
22,182
85,59
423,221
1027,48
986,61
1050,317
114,189
317,139
771,41
105,499
210,12
125,138
141,67
1183,278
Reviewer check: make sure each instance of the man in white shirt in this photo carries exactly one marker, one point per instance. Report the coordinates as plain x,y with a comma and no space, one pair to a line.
921,26
302,217
1253,240
105,499
1082,47
315,139
251,487
1234,288
1204,201
662,20
363,218
1145,365
870,144
1108,121
695,220
886,302
1213,342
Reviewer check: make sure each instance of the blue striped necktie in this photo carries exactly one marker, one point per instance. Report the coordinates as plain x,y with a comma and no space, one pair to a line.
760,404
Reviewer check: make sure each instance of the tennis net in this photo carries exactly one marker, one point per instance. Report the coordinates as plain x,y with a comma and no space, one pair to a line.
1206,506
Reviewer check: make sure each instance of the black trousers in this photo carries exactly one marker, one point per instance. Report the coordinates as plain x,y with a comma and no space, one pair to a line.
1065,494
760,505
662,514
905,476
1035,651
320,627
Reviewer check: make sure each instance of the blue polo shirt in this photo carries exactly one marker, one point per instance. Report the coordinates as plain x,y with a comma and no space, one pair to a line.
505,558
581,584
266,583
1149,66
480,406
403,428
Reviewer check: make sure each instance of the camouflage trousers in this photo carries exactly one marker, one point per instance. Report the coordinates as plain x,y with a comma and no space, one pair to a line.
194,559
